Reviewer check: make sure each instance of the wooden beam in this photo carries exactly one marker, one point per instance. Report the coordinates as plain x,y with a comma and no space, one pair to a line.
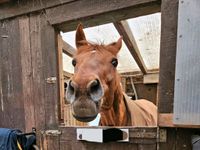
151,78
67,74
68,49
96,12
60,74
133,73
124,30
20,7
167,55
166,120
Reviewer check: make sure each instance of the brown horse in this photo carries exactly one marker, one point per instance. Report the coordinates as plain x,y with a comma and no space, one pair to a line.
95,87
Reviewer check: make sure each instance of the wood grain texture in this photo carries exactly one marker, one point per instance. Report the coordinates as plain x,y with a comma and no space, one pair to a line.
50,69
96,12
12,107
68,141
148,91
28,57
144,91
27,78
37,71
16,8
178,139
169,15
61,76
166,120
151,78
53,142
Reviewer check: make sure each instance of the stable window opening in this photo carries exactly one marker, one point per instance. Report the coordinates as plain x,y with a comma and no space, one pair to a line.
138,58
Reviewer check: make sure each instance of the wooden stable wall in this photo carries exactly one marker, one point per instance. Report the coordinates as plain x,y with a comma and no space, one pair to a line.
144,91
177,138
27,59
66,139
28,52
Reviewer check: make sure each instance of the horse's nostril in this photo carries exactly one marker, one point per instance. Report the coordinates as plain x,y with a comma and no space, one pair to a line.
71,89
71,86
94,86
95,90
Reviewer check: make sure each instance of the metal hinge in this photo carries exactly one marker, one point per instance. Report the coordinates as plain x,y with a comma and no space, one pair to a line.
162,135
51,132
51,80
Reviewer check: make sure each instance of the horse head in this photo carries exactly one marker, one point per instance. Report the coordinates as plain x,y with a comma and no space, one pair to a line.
95,77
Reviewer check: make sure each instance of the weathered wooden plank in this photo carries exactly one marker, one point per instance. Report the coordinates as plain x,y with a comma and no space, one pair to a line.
169,15
147,147
166,120
183,139
129,39
171,140
61,77
2,32
95,12
151,78
37,71
68,49
43,141
64,145
50,69
138,78
147,91
27,78
178,138
16,8
74,145
53,142
11,98
67,74
68,139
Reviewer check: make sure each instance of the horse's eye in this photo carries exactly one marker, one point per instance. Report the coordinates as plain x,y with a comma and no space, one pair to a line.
114,62
74,62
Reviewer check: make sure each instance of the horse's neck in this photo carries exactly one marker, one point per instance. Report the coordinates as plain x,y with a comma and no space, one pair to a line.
116,115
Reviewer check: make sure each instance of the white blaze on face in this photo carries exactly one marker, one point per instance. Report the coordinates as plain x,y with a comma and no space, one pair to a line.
93,51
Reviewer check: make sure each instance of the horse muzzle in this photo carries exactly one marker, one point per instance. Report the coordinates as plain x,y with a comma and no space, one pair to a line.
85,110
85,98
85,118
93,90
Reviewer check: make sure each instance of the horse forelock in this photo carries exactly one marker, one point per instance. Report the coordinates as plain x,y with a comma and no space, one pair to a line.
94,46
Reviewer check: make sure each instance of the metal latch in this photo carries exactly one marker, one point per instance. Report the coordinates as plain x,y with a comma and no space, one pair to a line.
51,80
163,135
52,132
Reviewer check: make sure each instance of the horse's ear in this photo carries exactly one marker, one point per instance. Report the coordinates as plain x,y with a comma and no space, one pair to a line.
117,45
80,36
